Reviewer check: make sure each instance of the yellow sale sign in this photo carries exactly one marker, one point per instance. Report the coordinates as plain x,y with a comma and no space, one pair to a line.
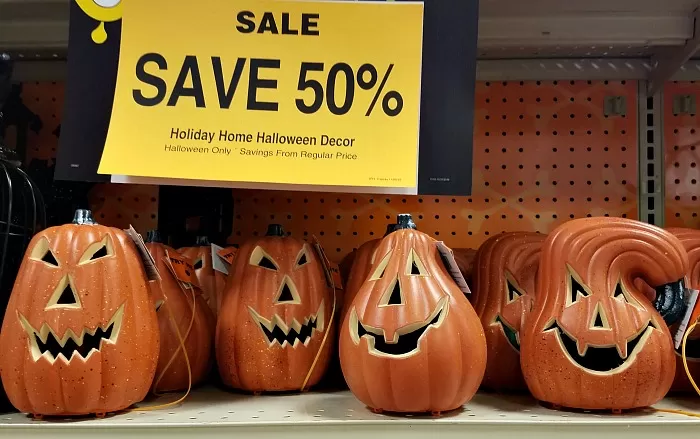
273,91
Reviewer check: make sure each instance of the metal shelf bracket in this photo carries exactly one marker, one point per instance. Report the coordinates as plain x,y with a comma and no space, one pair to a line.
669,61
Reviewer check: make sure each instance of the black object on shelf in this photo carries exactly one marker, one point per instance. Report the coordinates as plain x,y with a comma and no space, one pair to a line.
404,221
186,214
22,210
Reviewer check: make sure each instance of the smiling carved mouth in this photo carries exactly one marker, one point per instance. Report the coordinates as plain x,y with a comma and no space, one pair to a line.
601,360
509,332
406,341
277,331
47,344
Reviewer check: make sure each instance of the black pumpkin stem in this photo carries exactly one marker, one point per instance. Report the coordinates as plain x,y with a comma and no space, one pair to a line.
202,241
84,217
275,230
153,236
405,221
390,228
670,301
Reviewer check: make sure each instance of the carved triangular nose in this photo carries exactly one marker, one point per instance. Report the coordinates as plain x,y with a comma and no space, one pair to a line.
395,298
64,296
67,296
392,296
599,319
287,294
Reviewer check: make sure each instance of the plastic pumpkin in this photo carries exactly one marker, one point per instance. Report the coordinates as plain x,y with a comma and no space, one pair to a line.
274,317
211,282
506,268
411,342
186,309
690,238
79,323
593,339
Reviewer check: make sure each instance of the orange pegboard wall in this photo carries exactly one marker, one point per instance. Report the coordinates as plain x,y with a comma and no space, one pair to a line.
112,204
121,205
682,162
544,153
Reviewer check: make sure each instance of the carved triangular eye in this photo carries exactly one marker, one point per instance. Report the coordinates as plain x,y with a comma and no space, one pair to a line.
619,294
577,289
261,259
393,295
97,250
381,268
266,262
302,258
513,292
42,252
101,253
50,259
199,263
414,266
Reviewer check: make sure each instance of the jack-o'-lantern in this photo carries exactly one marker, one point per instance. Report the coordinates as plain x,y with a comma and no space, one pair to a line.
362,263
506,268
594,340
275,316
211,281
690,238
80,332
464,257
180,310
410,341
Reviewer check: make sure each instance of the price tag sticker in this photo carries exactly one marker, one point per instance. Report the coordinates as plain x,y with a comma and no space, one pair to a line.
149,264
222,258
182,268
331,269
451,264
691,315
228,254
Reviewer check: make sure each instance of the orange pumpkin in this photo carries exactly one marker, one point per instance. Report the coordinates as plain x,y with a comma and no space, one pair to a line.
211,282
690,239
506,268
594,340
465,262
411,342
176,306
275,313
79,323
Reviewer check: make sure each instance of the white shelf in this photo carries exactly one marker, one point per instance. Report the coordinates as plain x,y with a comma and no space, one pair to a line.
212,413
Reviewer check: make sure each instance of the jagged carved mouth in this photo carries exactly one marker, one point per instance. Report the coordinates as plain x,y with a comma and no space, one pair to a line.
509,332
406,342
47,344
277,331
601,360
